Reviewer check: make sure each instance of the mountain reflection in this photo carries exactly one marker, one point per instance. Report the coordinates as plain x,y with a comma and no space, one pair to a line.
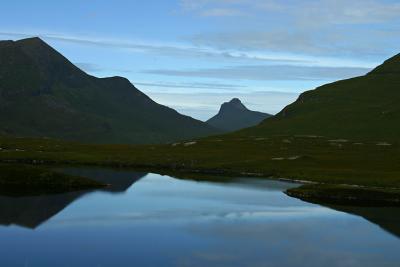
388,218
32,211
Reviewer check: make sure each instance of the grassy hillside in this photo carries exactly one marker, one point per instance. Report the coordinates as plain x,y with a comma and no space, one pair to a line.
42,94
303,158
364,108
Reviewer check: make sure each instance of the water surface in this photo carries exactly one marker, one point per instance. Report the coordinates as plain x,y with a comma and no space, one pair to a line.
152,220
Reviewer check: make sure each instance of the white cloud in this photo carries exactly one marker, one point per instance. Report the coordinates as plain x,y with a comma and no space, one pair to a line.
326,27
221,12
95,68
193,85
163,49
268,72
317,12
348,12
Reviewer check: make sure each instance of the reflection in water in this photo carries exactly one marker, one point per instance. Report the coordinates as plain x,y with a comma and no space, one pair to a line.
119,180
161,221
387,218
32,211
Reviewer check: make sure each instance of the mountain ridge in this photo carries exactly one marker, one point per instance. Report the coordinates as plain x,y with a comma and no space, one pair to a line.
42,94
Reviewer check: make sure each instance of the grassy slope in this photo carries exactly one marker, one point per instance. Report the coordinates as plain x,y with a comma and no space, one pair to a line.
362,108
304,158
346,195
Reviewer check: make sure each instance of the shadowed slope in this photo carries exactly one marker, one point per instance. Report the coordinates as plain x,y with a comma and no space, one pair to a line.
42,94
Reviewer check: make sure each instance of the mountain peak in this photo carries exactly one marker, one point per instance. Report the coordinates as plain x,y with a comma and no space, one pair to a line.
52,65
234,103
233,115
390,66
32,41
235,100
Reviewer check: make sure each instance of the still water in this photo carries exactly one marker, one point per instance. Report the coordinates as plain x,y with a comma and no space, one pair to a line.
152,220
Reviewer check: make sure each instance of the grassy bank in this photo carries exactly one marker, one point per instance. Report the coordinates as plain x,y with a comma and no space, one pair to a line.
30,180
346,195
374,164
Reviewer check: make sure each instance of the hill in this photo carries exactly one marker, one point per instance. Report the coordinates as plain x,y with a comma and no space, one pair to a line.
42,94
363,108
233,115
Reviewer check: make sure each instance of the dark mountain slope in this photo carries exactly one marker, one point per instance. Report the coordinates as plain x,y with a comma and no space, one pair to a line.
233,115
43,94
366,107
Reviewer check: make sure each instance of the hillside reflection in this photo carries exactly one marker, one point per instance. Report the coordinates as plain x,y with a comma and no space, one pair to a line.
32,211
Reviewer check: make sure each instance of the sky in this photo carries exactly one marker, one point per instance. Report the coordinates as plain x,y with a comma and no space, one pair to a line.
193,55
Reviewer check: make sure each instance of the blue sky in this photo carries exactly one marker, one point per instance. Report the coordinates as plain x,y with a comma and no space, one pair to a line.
193,55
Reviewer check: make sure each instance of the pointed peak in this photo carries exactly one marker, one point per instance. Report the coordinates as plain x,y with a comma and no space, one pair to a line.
235,103
31,40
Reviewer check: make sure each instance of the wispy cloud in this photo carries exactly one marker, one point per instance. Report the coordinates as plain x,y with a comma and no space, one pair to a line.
95,68
326,27
88,67
348,12
164,49
267,73
221,12
323,11
276,67
197,85
227,7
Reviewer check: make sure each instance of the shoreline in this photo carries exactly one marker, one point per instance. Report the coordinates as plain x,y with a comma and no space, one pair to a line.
346,195
309,191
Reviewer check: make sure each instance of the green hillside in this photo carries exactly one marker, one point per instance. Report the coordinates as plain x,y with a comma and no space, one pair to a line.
42,94
365,108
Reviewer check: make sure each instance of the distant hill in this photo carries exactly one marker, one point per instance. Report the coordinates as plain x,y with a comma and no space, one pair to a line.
233,115
42,94
366,107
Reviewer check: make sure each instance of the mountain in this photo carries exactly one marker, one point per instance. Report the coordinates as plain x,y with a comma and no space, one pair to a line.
233,115
42,94
365,108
